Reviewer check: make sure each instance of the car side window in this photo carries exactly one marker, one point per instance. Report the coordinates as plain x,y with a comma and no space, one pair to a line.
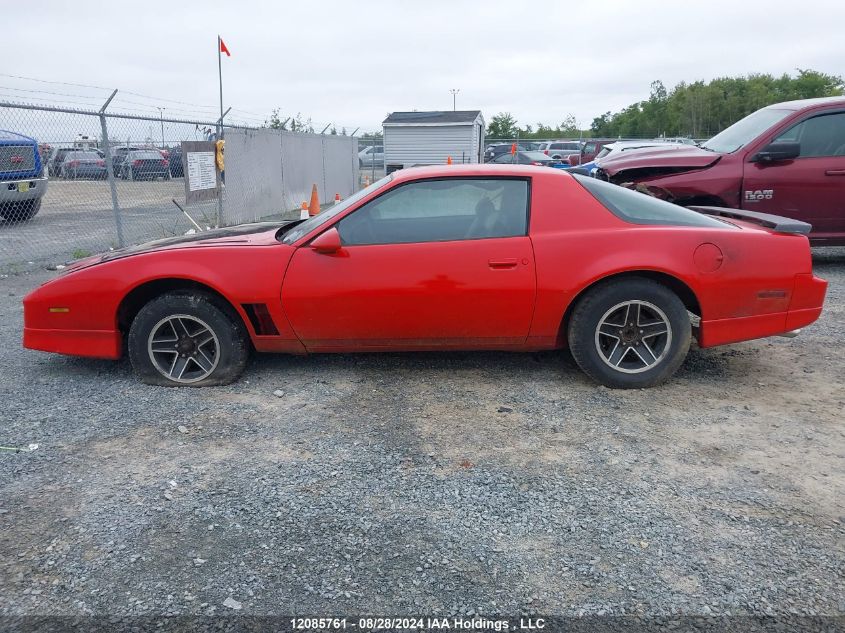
822,135
441,210
589,148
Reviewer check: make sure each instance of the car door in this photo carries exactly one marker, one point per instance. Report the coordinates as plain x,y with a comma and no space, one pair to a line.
433,263
809,188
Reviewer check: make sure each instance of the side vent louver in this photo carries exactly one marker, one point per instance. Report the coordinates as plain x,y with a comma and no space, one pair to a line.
260,318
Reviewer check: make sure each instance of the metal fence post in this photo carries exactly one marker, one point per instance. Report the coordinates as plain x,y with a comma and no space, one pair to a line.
222,187
323,152
118,222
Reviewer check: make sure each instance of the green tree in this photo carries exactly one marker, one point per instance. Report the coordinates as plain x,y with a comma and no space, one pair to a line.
502,125
701,109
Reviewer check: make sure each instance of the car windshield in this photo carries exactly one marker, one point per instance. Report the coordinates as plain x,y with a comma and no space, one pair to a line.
146,155
745,130
319,220
536,156
83,155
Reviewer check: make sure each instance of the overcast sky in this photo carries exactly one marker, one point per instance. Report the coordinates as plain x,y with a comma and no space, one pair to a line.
351,62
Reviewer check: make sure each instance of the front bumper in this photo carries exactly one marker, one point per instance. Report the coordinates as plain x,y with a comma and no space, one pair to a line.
24,189
91,343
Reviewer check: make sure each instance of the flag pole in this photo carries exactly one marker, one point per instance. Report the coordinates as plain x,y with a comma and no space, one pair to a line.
220,80
220,129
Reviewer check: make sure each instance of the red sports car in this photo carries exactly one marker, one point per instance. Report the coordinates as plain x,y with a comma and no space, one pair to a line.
475,257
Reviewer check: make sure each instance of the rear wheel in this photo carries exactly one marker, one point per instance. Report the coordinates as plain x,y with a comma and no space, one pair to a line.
20,211
630,333
191,340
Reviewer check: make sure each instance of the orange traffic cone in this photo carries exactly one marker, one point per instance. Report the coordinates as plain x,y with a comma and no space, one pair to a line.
303,211
314,207
337,198
448,160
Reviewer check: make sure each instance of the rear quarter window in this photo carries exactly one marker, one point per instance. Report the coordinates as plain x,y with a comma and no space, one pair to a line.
639,208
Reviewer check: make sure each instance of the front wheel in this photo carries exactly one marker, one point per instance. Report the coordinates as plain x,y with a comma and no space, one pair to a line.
630,333
191,340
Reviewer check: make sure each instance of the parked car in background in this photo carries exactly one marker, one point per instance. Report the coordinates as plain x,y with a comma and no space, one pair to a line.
54,165
22,179
83,164
464,257
613,149
589,150
497,149
526,158
371,156
118,156
560,149
785,159
175,160
144,164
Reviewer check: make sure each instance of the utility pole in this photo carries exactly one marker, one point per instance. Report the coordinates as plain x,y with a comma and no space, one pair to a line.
454,92
161,118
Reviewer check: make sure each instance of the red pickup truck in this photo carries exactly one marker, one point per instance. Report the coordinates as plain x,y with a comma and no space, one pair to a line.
786,159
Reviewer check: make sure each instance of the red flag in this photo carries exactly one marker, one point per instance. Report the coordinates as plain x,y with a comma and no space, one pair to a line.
223,48
513,147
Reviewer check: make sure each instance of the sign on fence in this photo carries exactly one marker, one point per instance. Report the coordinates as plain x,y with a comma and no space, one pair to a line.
201,179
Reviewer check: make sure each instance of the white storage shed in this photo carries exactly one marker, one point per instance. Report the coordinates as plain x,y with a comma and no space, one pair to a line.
430,138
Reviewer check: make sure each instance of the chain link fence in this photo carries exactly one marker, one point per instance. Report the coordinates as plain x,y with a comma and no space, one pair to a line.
76,182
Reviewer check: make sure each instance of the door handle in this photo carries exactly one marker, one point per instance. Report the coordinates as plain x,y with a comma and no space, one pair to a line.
502,264
835,172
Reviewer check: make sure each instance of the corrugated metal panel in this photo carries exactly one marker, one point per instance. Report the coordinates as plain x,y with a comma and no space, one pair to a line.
270,171
429,145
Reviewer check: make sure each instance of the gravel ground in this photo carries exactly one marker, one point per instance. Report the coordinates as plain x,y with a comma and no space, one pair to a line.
427,483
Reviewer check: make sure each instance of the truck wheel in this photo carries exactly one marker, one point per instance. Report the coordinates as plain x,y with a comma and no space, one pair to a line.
629,334
20,211
185,339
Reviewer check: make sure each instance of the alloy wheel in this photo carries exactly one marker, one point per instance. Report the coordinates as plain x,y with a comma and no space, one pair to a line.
183,348
633,336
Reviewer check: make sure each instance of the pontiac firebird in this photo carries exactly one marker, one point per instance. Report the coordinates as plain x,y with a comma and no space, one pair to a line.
475,257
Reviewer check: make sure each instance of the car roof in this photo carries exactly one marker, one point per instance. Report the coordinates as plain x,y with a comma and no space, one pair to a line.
475,169
800,104
7,135
627,144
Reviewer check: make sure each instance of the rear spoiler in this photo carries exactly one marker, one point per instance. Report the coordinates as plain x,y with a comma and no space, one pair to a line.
773,222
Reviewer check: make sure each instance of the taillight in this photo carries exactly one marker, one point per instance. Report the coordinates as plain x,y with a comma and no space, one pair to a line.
546,152
164,163
135,163
73,163
101,163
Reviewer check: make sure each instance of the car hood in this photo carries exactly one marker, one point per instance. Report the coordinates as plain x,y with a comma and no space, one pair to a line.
257,234
677,156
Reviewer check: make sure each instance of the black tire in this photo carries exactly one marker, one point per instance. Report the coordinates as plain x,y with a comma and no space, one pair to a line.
656,308
231,344
22,211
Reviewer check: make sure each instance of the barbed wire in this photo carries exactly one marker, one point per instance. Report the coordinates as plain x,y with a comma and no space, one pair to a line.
118,104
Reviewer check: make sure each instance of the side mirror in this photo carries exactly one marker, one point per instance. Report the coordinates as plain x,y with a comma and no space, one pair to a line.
327,242
783,150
